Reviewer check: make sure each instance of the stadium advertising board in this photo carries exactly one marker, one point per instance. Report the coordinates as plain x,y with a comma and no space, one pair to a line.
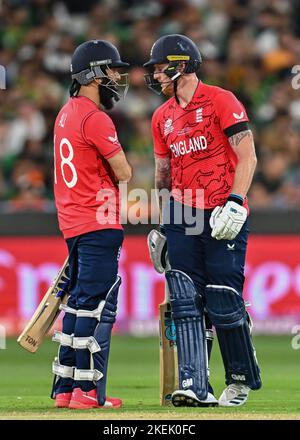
28,265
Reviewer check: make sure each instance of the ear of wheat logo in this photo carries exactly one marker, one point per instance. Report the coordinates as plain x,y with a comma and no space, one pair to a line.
2,78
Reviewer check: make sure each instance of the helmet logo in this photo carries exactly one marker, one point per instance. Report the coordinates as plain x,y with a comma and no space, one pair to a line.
100,63
178,57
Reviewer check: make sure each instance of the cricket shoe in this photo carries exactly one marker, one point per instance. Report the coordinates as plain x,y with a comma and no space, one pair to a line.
236,394
88,400
189,398
62,400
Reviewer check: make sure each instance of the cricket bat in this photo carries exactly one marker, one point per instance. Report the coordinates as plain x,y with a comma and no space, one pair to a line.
46,313
168,351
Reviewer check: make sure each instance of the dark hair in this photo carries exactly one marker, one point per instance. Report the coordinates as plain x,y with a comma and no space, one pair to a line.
74,88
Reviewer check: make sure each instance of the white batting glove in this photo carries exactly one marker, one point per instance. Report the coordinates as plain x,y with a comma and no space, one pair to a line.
227,221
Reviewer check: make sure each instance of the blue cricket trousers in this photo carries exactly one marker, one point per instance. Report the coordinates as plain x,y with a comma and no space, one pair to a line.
93,260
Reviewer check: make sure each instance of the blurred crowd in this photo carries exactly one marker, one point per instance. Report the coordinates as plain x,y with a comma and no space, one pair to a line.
248,46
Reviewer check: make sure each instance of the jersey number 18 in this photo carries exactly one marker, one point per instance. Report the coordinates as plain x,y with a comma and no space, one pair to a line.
66,162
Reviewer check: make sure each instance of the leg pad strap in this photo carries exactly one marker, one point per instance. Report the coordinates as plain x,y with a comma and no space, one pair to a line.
92,375
62,370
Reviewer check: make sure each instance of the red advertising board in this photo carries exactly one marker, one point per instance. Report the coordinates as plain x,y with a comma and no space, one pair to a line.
28,265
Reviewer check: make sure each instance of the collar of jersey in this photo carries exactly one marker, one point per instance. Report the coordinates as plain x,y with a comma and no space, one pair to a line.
194,101
86,99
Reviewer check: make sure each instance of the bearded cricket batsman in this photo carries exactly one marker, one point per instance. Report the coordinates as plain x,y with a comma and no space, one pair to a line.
89,163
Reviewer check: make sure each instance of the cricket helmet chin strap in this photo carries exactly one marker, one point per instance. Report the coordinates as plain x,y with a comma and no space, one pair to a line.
174,50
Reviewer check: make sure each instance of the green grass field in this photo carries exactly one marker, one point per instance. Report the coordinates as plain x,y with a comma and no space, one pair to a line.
25,382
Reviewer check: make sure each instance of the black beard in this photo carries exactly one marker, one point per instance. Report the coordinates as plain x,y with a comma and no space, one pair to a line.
107,97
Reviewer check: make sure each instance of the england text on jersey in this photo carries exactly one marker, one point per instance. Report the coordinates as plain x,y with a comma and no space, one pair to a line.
186,146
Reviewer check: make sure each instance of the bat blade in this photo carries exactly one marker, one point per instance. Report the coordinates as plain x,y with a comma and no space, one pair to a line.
44,317
168,354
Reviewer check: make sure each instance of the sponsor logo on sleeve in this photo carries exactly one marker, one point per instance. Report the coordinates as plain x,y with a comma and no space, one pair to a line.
114,139
240,116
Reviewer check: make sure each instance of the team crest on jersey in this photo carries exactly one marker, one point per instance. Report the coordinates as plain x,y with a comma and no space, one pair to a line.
199,114
168,128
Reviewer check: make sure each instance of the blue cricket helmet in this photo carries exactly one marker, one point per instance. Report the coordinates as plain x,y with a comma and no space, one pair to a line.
91,58
175,48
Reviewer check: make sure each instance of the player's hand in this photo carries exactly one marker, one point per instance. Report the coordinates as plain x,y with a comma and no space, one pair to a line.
227,221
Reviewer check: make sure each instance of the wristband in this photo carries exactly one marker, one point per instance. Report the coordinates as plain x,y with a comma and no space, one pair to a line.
236,198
